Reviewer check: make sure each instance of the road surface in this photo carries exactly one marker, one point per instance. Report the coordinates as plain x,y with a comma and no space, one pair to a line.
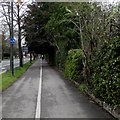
58,97
5,65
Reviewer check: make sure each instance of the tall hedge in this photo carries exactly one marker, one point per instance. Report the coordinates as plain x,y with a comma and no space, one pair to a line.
106,73
73,65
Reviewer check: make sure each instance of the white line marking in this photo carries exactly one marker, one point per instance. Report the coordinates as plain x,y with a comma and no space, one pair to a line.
3,68
38,107
6,65
3,72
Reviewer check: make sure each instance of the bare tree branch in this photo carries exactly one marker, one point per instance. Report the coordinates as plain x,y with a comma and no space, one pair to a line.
8,22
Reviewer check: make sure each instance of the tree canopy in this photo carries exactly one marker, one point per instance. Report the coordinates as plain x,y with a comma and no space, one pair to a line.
92,29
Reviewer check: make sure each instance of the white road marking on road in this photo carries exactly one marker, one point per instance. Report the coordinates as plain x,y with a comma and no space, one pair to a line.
3,72
3,68
1,65
38,107
6,65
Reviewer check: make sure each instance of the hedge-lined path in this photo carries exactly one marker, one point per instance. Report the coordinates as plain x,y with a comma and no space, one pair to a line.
60,98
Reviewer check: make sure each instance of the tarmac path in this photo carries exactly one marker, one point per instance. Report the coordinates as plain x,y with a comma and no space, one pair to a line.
59,97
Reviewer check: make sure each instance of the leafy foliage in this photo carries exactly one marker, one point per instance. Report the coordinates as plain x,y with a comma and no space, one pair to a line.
33,27
73,65
85,37
105,77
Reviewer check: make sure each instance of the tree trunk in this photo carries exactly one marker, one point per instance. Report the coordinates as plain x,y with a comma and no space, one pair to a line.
30,57
34,56
84,59
19,40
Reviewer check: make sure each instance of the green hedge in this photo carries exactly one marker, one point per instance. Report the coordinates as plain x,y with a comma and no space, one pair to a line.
106,73
73,65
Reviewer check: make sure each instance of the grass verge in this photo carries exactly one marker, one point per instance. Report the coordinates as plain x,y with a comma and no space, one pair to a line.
7,79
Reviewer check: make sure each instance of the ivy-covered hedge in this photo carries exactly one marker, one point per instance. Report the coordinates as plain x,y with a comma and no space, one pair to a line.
106,73
73,65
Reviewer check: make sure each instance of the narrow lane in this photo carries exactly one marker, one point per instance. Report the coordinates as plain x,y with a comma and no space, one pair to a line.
19,100
60,99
